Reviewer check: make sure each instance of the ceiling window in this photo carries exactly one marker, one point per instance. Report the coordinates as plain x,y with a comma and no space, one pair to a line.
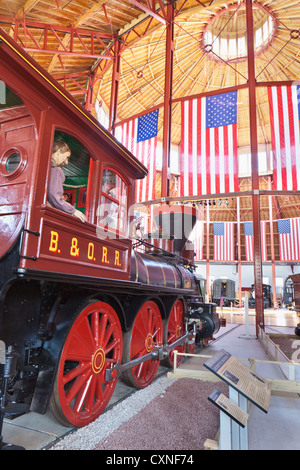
225,35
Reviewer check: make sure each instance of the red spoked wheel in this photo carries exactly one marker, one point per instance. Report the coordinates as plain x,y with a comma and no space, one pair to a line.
145,333
93,344
173,330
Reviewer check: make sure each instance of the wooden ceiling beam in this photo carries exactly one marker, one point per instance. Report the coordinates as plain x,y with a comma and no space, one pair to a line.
151,10
81,20
51,33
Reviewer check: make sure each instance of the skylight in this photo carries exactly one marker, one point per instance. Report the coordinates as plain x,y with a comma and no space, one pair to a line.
225,36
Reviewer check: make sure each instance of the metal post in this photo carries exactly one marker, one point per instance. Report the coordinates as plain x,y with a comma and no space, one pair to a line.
272,246
239,249
259,306
165,177
115,87
90,92
207,258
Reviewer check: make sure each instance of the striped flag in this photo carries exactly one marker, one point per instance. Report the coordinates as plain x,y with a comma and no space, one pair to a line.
209,145
140,137
248,230
197,238
284,104
224,241
289,239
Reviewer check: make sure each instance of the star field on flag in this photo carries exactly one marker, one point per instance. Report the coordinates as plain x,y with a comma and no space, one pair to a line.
221,110
147,126
248,227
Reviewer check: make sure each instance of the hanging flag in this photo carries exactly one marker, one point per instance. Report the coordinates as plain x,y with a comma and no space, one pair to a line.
140,137
197,238
223,241
248,230
209,145
263,235
289,239
284,104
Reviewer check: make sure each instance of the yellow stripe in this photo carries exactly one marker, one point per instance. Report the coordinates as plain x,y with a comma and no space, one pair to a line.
136,267
145,266
68,99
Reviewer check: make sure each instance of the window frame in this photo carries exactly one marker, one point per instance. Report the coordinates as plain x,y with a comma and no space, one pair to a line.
116,201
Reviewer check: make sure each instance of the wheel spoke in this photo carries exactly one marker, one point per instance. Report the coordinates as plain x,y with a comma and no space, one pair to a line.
91,395
171,337
82,390
111,346
76,388
95,327
146,332
76,371
81,396
107,335
151,323
174,330
102,328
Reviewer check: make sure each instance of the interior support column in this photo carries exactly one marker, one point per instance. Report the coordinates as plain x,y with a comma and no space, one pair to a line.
115,87
165,177
275,305
209,293
239,257
259,305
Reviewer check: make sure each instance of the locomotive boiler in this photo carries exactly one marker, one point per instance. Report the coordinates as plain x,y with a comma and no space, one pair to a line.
81,301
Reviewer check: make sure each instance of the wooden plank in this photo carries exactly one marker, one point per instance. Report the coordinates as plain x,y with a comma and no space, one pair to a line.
193,374
210,444
286,386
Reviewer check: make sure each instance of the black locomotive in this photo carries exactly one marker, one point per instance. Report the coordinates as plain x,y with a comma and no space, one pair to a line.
267,290
223,292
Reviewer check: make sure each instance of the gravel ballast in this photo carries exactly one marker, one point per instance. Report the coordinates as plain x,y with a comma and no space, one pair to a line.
171,414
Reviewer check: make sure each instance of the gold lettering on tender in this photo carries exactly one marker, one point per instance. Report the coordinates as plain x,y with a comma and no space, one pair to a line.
117,258
91,250
104,255
53,242
74,251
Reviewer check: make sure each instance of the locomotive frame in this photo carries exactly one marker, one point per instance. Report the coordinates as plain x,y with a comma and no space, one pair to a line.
76,299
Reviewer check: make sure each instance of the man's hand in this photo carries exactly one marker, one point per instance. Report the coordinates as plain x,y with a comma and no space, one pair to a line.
79,215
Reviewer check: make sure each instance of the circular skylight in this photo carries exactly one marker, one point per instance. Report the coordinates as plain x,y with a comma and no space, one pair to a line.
225,35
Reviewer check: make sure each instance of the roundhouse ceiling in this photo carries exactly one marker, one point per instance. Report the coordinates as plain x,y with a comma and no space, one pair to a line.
75,40
43,28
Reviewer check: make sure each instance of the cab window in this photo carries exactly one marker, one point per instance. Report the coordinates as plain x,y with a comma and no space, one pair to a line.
76,172
113,203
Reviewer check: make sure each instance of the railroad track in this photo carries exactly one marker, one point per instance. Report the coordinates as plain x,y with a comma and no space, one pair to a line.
38,424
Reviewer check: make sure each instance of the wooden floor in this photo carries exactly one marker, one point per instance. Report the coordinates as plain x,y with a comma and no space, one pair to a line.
272,317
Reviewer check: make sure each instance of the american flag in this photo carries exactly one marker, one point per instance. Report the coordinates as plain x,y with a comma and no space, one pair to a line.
248,230
197,238
224,241
209,145
140,137
284,104
289,239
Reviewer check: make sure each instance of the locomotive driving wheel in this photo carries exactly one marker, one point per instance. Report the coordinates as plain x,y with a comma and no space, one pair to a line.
173,330
145,333
94,344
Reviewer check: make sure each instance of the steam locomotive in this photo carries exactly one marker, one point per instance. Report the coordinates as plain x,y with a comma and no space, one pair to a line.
81,301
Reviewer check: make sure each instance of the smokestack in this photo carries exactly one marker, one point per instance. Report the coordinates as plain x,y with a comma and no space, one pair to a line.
175,222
